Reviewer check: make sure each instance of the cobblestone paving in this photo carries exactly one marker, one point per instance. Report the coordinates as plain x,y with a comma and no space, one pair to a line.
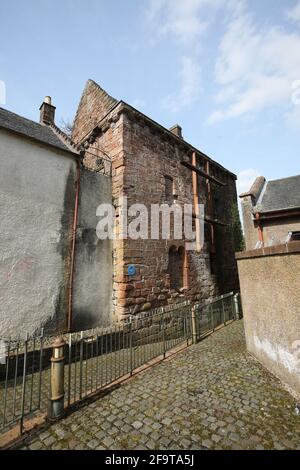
214,395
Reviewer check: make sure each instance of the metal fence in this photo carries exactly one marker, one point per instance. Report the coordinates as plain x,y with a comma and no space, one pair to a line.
96,358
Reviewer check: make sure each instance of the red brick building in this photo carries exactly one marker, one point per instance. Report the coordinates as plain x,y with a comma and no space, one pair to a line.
151,165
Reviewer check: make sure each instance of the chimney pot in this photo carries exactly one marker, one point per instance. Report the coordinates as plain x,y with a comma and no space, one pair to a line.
177,130
47,111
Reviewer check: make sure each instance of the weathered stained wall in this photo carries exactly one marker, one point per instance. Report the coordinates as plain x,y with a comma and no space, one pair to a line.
270,290
37,193
92,295
277,230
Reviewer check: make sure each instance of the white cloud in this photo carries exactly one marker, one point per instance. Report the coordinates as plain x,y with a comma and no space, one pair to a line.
245,179
294,13
293,118
255,69
190,75
187,20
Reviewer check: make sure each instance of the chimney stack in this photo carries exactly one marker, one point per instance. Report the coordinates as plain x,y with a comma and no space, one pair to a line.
47,111
177,130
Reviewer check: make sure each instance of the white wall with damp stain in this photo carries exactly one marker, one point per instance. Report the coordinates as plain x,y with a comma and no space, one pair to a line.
37,199
270,292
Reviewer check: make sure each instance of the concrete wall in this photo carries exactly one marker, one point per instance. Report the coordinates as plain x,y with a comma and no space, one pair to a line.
270,289
92,300
37,193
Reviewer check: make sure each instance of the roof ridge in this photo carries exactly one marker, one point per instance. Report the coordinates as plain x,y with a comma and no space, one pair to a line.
283,179
23,117
34,130
92,82
64,137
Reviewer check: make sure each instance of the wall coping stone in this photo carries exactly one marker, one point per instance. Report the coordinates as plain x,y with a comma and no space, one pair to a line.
285,249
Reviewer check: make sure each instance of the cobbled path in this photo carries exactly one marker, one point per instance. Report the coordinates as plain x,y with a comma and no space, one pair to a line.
213,395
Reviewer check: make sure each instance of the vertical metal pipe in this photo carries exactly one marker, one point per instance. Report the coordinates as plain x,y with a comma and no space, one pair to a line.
125,370
97,361
57,384
187,327
6,382
102,359
75,368
115,350
41,367
16,378
194,325
86,366
32,375
80,365
223,310
69,369
119,348
163,333
23,384
211,313
106,355
236,306
130,346
92,363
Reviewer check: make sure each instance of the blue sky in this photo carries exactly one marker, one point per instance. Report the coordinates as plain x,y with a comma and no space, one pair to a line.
223,69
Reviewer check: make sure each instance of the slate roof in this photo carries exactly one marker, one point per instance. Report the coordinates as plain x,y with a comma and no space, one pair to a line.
282,194
21,125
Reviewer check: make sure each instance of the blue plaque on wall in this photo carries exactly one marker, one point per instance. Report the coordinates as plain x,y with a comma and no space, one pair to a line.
131,270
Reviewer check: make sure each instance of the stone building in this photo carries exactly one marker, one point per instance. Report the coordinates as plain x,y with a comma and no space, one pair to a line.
155,165
271,212
55,272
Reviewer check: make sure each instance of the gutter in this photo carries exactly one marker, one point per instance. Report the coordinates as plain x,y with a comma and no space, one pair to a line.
293,212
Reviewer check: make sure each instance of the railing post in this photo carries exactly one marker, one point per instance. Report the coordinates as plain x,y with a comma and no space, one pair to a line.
81,365
163,332
194,325
223,310
211,311
185,334
57,388
130,346
236,306
24,383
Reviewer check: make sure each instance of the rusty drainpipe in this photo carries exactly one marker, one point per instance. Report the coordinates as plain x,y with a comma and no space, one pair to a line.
71,280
